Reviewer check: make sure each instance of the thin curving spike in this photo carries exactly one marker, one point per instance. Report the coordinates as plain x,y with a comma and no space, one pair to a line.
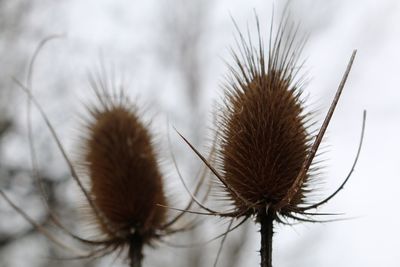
192,195
221,245
299,180
350,172
193,198
37,226
227,214
29,86
208,241
33,155
214,171
63,152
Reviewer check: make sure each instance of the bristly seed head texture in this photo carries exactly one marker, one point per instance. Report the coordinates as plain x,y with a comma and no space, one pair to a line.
125,181
263,137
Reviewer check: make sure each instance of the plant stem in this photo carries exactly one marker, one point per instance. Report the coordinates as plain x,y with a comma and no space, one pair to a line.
266,219
135,251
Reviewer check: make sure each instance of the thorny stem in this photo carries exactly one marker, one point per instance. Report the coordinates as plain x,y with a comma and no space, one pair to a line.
135,251
266,219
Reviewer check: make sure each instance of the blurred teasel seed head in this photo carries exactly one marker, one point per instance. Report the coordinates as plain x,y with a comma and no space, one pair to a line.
126,183
124,192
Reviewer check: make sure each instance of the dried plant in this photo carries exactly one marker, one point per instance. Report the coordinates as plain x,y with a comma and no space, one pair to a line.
126,184
266,152
125,195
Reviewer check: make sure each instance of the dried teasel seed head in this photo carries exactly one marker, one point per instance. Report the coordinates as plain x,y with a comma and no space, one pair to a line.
126,184
263,135
264,140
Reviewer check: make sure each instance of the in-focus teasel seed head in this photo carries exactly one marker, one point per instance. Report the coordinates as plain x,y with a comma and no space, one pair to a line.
263,131
265,149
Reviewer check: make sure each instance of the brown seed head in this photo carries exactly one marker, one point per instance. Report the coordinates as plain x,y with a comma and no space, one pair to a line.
126,183
263,134
264,140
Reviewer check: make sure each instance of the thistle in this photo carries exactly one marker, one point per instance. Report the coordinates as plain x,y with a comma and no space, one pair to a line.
265,149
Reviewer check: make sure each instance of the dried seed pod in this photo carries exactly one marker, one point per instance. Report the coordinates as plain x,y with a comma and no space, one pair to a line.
265,150
263,134
264,140
125,182
126,198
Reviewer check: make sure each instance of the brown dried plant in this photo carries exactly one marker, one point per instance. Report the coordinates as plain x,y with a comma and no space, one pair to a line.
266,152
125,191
126,184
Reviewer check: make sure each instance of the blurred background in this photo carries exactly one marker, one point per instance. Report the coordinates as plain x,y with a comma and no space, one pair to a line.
170,55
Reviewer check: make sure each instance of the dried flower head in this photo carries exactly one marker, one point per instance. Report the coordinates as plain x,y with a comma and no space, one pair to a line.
263,127
125,182
265,149
264,140
125,192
